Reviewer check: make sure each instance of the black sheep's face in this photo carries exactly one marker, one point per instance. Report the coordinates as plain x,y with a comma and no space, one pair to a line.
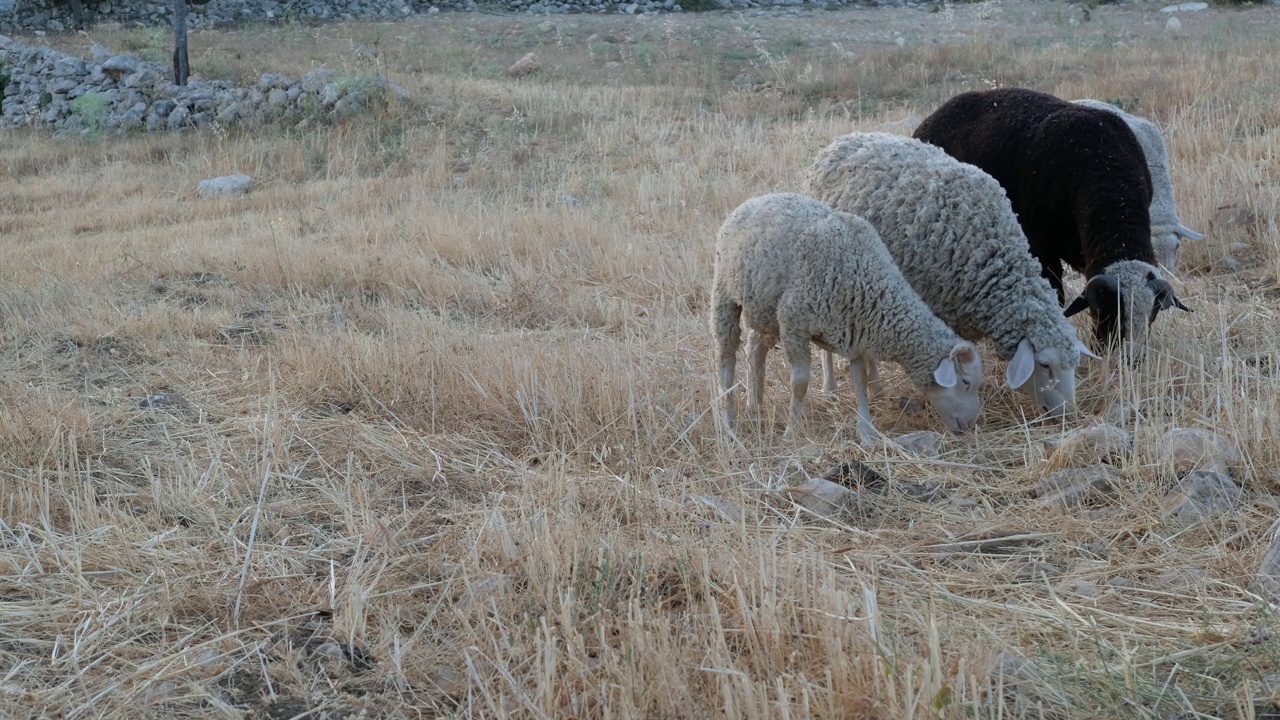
1124,303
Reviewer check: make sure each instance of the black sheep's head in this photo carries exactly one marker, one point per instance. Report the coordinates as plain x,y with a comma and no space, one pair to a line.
1124,301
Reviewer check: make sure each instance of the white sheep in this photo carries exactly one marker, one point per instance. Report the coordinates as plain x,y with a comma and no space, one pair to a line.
1167,231
953,234
798,272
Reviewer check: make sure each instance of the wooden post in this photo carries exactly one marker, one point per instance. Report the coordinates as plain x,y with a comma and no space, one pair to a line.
180,66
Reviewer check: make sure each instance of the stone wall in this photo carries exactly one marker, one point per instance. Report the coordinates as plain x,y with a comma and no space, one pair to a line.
60,15
110,94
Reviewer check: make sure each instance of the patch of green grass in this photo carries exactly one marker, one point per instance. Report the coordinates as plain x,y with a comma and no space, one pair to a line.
151,44
92,109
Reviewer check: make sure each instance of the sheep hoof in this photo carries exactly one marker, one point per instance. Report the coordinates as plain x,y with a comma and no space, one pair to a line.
868,435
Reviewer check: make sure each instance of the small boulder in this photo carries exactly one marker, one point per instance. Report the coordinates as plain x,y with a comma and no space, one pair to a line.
825,498
315,80
1191,449
121,65
1199,495
1181,579
920,442
1078,586
1184,7
162,400
99,53
727,510
1236,222
1092,445
1077,487
526,65
226,185
1268,575
178,118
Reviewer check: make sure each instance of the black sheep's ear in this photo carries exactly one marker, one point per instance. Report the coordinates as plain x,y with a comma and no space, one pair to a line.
1077,306
1103,292
1165,298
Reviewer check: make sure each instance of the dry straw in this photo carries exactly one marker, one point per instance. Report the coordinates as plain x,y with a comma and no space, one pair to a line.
424,425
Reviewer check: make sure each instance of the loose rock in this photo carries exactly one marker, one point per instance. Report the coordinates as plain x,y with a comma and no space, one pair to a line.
1077,487
1101,443
526,65
725,509
1268,575
226,185
920,442
1236,222
825,498
1201,494
1191,449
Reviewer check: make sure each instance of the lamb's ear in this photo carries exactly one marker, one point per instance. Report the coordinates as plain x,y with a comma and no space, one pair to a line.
1188,233
1077,306
945,374
1021,366
1084,350
963,354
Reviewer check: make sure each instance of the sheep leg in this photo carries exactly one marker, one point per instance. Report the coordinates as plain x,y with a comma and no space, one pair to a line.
829,373
729,333
858,376
757,348
873,374
797,349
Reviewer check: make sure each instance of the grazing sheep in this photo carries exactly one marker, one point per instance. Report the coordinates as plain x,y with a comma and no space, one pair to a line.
949,227
1078,181
800,272
1167,231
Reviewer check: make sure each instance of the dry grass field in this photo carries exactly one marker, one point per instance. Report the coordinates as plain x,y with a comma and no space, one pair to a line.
423,425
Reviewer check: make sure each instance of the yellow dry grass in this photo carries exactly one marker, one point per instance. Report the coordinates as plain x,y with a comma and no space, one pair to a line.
428,438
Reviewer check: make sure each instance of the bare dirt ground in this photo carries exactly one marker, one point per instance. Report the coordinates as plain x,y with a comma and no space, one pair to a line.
424,425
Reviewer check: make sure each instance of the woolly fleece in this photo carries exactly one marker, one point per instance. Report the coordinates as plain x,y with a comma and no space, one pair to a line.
799,271
953,234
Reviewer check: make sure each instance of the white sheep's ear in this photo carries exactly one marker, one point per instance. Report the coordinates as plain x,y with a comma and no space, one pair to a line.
945,375
1084,350
1021,366
1188,233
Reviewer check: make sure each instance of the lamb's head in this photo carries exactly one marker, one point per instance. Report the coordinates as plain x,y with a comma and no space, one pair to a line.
1047,374
1166,242
953,389
1124,300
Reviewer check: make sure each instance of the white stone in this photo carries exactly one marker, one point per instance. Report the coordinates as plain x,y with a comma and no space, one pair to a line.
226,185
1184,7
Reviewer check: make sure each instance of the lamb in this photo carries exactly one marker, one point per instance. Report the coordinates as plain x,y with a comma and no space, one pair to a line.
1078,181
952,233
1167,231
800,272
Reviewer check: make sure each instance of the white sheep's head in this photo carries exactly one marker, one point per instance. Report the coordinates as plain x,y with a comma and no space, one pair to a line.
1166,244
954,388
1124,301
1048,375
